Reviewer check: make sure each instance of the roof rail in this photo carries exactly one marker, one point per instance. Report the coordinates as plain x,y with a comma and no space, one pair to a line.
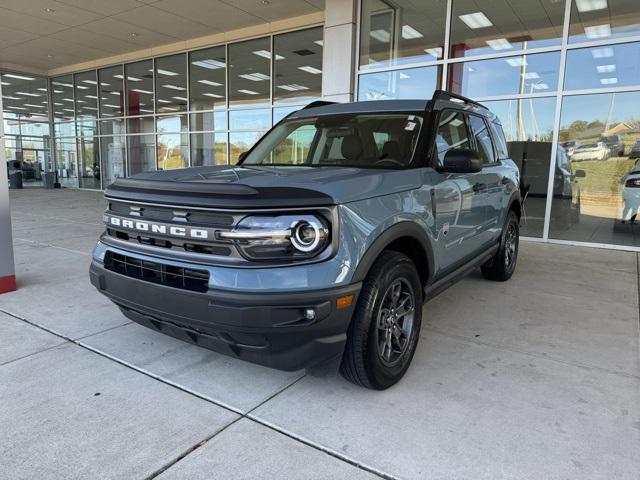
445,95
318,103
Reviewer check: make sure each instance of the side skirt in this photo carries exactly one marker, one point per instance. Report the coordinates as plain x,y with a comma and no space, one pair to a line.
445,282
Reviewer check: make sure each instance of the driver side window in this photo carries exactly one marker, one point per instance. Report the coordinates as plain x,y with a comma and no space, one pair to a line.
452,133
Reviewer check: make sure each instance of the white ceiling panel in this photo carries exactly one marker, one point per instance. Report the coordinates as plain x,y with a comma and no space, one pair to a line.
163,21
218,15
274,9
104,7
50,10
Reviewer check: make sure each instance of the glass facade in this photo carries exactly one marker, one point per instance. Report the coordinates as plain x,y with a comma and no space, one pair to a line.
568,102
188,109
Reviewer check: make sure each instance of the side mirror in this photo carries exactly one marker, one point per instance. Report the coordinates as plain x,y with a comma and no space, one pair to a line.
242,156
461,160
579,174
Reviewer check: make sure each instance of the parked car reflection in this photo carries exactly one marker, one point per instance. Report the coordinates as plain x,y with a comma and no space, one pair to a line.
570,147
635,150
533,160
591,151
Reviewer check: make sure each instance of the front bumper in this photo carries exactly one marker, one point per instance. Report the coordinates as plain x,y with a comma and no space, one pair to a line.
265,328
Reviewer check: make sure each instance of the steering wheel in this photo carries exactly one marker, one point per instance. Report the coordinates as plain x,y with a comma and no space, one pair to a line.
390,161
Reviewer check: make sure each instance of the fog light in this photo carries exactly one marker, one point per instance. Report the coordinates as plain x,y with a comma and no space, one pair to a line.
309,313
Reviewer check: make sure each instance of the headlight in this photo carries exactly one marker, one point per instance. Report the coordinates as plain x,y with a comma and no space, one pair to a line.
280,237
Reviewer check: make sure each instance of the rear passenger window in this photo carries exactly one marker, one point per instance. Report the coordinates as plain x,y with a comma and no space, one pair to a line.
452,133
483,139
499,138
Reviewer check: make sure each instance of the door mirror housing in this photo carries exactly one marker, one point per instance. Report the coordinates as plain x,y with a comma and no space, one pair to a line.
461,160
579,174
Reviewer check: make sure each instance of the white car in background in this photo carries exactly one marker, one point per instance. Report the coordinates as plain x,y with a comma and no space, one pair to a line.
591,151
631,194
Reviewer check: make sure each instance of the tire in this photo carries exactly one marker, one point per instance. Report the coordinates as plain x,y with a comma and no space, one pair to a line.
501,267
367,360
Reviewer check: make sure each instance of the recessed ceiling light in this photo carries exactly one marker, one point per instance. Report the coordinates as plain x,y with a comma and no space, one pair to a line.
180,98
516,62
476,20
531,75
540,86
606,68
293,87
5,83
602,52
248,92
209,82
8,97
598,31
404,76
134,34
499,44
169,73
174,87
409,33
609,81
32,105
267,54
82,87
590,5
310,69
215,95
434,52
210,64
381,35
29,94
49,10
254,77
139,90
19,77
49,55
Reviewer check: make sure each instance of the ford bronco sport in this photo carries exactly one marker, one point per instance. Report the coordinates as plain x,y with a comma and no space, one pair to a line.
324,240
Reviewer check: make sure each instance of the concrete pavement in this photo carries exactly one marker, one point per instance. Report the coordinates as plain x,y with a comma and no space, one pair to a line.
535,378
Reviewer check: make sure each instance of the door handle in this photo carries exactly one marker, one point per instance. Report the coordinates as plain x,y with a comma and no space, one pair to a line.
478,187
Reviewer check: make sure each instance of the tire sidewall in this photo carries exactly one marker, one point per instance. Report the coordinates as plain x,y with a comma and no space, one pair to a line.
381,375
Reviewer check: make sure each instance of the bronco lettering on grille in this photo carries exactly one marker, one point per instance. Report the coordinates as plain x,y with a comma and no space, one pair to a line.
163,229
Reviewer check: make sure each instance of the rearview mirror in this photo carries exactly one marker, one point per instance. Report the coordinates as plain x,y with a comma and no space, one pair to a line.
461,160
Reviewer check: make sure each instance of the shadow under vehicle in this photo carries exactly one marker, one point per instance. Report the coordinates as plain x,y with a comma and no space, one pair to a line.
533,160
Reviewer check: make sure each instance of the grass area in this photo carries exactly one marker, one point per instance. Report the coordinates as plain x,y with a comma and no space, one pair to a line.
603,177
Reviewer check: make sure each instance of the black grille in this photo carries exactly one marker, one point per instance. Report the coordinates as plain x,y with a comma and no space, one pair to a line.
166,214
154,272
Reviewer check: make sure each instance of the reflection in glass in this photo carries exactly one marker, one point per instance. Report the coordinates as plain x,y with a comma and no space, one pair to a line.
25,97
62,97
250,119
171,84
112,151
208,149
481,27
240,142
173,151
86,91
298,66
207,78
603,19
280,113
603,67
111,91
599,132
524,74
89,162
139,83
249,72
171,123
67,162
112,127
142,153
141,125
401,32
409,83
528,128
207,121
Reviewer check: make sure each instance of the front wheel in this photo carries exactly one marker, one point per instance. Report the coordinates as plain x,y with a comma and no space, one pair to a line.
503,264
384,331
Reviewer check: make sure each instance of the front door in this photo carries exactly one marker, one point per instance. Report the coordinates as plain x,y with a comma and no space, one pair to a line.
460,198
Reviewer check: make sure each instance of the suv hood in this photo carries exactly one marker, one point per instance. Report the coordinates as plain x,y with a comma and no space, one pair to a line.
262,186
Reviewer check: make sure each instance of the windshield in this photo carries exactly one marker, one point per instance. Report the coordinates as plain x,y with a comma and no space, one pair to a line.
380,140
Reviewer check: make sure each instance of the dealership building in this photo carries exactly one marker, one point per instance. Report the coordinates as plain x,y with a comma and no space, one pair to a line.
96,90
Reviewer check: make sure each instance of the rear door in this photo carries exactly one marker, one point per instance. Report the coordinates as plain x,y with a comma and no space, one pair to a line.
489,182
459,202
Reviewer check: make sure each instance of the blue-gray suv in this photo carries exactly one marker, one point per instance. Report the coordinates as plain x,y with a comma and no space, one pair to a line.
324,240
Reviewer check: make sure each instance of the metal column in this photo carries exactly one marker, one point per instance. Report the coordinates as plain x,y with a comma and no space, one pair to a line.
7,267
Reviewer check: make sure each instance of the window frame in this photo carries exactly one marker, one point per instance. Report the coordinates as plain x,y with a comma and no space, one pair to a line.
491,139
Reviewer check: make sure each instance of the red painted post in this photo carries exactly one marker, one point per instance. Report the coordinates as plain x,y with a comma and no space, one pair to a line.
7,266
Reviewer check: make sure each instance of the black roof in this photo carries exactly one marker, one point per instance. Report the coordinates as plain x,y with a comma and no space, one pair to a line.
440,99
